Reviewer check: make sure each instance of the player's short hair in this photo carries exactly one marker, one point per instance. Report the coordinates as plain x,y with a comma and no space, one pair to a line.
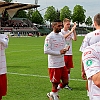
55,22
66,20
97,18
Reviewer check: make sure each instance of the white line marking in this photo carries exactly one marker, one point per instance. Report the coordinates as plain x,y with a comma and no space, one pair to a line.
38,76
26,74
22,50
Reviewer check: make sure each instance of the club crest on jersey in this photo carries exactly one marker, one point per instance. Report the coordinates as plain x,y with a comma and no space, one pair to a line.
89,62
46,45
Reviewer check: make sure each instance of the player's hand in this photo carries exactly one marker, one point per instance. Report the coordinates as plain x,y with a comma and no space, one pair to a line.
83,75
67,48
63,51
73,28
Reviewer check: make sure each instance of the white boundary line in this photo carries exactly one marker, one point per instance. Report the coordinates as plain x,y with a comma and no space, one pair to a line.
38,76
27,75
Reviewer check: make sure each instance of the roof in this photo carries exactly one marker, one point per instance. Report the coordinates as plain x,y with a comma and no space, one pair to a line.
12,8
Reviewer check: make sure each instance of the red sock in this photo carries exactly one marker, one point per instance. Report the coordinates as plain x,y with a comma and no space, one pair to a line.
54,90
61,85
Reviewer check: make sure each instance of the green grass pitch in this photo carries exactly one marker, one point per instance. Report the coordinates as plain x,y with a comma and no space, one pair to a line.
28,75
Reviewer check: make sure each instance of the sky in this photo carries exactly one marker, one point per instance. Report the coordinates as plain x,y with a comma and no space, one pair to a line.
92,7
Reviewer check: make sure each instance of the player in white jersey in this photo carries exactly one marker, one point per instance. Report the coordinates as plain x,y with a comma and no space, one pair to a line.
54,46
91,62
68,57
91,38
3,70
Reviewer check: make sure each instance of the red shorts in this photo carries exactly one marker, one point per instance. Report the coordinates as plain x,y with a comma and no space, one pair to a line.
3,85
57,74
68,61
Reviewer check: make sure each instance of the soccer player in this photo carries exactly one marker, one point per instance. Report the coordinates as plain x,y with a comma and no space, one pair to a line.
68,57
54,46
3,70
91,63
91,38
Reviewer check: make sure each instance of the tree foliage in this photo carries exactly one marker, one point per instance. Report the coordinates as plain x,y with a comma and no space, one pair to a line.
8,0
29,14
57,14
88,21
65,12
78,15
37,18
21,14
50,14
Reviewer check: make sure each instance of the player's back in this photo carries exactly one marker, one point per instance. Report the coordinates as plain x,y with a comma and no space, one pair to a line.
89,39
93,37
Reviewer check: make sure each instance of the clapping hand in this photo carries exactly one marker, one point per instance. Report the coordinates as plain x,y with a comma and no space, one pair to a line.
73,28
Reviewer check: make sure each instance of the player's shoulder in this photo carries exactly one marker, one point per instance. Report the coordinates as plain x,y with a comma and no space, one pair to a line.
51,35
3,36
64,32
93,33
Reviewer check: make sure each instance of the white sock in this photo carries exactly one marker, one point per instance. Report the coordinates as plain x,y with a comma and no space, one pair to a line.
68,76
59,87
54,93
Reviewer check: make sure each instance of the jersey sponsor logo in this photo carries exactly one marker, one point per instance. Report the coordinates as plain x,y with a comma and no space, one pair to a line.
89,62
88,52
97,33
54,40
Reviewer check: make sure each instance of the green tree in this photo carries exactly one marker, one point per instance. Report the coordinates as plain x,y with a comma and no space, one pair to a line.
57,14
50,14
21,14
88,21
65,12
78,15
8,0
29,14
37,17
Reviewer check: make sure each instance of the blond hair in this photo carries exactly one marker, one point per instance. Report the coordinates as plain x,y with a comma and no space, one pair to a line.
66,20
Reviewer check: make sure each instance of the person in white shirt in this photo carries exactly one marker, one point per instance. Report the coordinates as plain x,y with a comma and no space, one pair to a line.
68,57
3,70
91,62
54,46
89,39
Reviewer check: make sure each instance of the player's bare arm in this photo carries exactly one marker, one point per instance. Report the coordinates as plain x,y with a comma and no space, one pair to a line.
83,74
72,30
96,79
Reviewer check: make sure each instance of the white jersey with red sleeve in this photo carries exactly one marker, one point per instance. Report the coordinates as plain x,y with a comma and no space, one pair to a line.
54,42
89,39
91,61
3,45
68,41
